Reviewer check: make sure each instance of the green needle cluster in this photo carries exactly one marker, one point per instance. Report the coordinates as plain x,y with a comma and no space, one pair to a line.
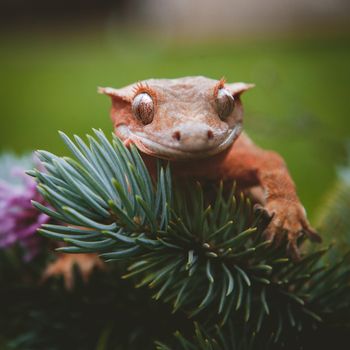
205,255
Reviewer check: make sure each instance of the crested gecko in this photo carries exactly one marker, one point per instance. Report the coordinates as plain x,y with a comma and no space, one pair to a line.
196,124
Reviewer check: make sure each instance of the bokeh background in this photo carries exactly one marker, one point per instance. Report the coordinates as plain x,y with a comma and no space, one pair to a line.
54,54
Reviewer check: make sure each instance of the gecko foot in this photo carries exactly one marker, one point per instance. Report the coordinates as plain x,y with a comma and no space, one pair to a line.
287,221
64,266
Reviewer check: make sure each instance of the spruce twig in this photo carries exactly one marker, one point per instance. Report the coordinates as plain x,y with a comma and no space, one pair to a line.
207,259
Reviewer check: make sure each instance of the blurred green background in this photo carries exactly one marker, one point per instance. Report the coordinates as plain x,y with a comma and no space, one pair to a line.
49,77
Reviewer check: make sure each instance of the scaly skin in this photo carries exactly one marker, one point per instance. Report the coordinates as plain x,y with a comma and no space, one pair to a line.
178,120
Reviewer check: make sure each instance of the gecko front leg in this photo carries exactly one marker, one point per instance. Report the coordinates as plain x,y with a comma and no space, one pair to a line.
282,202
268,170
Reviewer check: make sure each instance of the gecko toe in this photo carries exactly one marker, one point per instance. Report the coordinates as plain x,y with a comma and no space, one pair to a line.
310,232
312,235
265,217
293,250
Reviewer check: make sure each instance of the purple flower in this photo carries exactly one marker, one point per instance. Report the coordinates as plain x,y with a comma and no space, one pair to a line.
19,220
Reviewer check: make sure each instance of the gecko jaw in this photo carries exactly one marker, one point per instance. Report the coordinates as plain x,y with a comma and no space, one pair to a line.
158,150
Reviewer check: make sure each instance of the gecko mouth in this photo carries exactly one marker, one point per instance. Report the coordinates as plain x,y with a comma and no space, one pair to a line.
159,150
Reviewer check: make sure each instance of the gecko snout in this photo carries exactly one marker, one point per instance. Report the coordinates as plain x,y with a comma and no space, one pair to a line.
177,135
193,137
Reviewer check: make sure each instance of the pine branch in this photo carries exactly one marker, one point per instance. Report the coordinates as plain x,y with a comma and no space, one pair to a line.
207,258
229,339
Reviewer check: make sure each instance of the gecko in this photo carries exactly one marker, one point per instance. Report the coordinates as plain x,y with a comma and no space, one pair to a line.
196,123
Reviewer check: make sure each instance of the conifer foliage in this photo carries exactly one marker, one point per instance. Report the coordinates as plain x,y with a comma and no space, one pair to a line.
205,256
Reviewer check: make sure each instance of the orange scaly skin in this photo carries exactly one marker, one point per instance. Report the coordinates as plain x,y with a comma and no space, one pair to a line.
191,122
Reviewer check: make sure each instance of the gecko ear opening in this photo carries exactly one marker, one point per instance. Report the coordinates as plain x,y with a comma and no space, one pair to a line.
237,89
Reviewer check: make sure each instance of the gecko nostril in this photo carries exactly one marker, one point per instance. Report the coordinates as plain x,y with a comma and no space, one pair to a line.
177,135
210,134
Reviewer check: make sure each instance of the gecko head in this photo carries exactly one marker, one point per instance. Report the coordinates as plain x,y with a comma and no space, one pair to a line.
178,119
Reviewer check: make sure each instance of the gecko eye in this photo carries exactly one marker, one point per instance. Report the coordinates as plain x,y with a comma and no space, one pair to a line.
143,107
224,103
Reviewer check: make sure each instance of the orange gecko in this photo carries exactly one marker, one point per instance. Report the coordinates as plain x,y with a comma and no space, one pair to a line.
196,124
